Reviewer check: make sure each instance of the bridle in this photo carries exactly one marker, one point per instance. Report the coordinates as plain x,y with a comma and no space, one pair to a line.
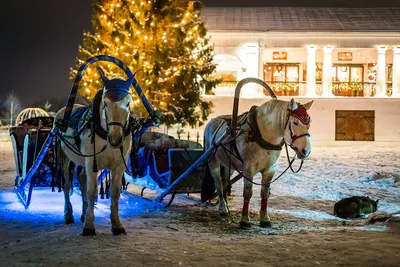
114,123
303,117
295,137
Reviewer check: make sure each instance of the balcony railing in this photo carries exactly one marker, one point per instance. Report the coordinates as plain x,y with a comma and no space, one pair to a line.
300,88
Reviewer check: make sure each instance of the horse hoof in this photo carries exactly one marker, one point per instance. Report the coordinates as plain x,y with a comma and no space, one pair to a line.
82,219
245,224
118,231
69,220
265,224
224,214
88,232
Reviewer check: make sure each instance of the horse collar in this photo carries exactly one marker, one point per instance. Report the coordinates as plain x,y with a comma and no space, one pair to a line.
97,118
255,131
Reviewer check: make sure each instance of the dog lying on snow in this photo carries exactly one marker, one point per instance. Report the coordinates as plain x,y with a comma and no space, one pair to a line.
354,207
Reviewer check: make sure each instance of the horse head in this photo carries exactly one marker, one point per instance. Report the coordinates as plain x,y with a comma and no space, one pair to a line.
116,107
296,130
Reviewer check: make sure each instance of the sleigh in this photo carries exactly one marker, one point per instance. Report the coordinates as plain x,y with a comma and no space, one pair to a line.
162,159
27,140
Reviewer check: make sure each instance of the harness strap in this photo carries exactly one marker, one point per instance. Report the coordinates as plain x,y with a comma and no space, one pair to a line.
255,131
294,137
96,116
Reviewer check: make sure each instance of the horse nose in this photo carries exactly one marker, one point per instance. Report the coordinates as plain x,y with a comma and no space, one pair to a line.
115,141
304,152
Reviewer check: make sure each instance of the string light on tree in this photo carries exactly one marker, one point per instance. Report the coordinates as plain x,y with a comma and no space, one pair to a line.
169,52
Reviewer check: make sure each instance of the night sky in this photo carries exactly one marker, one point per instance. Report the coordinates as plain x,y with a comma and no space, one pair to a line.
39,41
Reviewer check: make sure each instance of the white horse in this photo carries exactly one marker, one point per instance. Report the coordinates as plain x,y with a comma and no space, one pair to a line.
110,141
278,122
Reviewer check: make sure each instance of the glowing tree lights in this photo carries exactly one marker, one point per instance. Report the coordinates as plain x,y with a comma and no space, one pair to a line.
165,42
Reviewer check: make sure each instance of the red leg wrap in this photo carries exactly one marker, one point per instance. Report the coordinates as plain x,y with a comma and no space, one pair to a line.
245,209
264,204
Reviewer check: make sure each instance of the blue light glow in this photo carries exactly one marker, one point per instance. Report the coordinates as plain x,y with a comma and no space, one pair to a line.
50,205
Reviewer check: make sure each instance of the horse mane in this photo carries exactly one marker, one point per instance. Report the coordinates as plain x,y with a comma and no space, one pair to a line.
274,113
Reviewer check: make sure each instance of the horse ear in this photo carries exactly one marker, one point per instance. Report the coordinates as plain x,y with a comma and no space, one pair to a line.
103,76
308,105
293,105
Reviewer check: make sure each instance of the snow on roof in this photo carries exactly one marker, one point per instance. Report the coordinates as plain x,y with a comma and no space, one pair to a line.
302,19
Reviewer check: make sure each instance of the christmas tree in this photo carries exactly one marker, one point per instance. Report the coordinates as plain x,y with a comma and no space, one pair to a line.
165,43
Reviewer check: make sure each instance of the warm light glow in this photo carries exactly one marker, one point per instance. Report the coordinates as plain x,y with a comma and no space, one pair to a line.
131,30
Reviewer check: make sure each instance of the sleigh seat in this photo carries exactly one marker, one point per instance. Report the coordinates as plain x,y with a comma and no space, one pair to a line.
164,158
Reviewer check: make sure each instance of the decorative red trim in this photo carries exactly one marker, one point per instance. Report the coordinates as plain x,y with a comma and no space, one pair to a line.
264,204
245,209
301,114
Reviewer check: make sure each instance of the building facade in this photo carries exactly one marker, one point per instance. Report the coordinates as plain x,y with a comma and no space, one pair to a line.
308,51
346,59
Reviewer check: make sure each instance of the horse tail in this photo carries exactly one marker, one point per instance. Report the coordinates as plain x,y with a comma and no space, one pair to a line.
208,185
71,174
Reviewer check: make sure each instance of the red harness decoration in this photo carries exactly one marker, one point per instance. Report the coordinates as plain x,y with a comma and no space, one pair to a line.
301,114
264,204
245,209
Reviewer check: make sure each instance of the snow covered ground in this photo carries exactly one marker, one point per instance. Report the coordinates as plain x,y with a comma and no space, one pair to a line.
328,175
192,234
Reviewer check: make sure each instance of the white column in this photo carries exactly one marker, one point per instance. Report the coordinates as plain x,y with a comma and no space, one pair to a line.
327,72
251,63
396,72
260,62
381,72
311,72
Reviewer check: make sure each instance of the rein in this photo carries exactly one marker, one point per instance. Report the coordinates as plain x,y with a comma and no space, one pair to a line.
290,162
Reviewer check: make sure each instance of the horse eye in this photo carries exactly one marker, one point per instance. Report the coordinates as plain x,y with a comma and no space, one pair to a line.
105,104
295,123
